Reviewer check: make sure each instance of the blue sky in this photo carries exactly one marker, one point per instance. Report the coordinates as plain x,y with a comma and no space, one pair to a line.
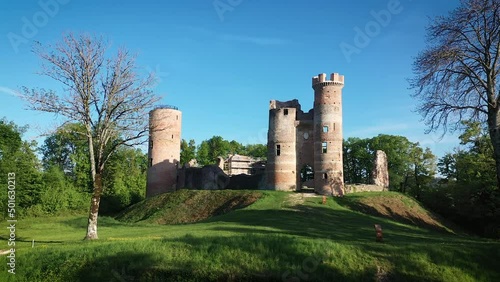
222,61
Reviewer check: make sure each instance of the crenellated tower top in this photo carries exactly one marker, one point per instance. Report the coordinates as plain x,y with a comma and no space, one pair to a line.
321,80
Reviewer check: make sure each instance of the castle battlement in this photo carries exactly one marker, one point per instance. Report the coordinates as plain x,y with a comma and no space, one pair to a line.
335,79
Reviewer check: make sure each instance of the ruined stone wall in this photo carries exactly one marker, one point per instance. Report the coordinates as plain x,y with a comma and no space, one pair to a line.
209,177
328,163
356,188
380,172
282,157
245,181
164,150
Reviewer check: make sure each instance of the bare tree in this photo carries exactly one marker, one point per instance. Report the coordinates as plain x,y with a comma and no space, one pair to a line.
457,75
106,95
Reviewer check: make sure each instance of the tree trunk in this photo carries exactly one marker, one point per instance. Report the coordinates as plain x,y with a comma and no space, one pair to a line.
96,190
494,129
94,209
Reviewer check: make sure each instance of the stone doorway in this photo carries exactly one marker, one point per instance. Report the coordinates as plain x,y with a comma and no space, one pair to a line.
307,179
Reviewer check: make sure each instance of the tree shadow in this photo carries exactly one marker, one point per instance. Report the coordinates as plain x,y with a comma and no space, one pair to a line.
353,203
26,240
103,221
440,262
123,267
412,253
341,225
285,260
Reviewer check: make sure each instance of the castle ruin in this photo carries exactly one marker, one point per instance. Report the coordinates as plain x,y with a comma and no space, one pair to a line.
299,140
304,148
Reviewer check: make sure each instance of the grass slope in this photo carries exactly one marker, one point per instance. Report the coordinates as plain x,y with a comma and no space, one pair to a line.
398,207
281,237
188,206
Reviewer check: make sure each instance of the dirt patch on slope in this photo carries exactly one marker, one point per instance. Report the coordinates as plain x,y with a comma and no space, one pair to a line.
187,206
397,207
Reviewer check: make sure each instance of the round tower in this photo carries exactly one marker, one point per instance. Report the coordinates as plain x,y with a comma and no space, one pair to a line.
281,157
164,151
328,164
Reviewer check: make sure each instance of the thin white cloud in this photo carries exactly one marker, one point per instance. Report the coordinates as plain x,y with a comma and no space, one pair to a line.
10,91
263,41
257,40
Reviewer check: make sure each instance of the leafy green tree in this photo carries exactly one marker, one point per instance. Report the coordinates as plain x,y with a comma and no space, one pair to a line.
447,166
209,150
424,170
470,197
66,148
188,151
10,141
475,164
59,194
410,166
18,156
398,150
256,151
358,160
125,180
235,147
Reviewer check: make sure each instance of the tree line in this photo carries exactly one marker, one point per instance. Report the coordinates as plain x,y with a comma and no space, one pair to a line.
59,181
411,167
209,150
54,177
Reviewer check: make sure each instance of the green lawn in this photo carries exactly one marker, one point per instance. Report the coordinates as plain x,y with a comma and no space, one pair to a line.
278,238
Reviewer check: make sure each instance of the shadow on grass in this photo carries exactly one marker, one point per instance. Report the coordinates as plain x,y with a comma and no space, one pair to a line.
103,221
123,266
25,240
261,258
340,225
439,262
413,253
355,203
264,247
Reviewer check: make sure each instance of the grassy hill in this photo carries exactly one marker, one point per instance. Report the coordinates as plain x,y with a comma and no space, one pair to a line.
280,237
398,207
188,206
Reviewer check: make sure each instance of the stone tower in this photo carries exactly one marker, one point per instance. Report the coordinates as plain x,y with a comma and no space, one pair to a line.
282,155
302,142
164,149
328,164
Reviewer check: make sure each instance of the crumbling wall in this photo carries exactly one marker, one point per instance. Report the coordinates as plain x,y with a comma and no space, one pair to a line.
380,172
355,188
245,181
209,177
275,104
